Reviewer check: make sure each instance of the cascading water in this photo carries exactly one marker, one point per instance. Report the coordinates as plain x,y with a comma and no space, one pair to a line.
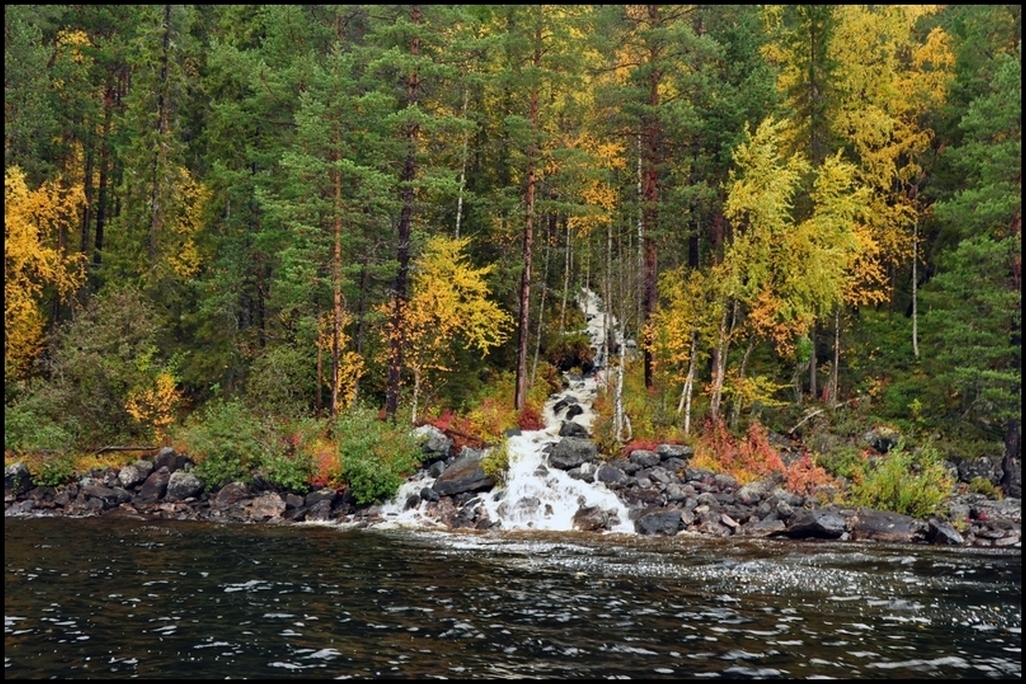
535,495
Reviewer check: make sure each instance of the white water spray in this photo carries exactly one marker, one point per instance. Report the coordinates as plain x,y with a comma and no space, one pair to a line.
537,496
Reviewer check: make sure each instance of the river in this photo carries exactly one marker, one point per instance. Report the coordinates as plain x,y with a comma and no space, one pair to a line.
122,598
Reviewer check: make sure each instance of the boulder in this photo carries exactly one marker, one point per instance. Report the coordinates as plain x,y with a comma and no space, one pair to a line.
181,485
868,524
819,523
154,487
17,480
465,474
663,521
571,452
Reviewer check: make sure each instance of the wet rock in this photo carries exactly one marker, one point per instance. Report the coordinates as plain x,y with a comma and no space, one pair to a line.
17,480
267,506
231,494
571,429
591,519
320,511
765,528
465,474
609,474
885,526
564,403
940,532
819,523
108,496
154,487
661,521
435,444
325,494
571,452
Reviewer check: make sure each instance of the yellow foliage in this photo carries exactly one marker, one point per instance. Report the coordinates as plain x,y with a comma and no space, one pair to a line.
156,407
350,364
34,260
449,302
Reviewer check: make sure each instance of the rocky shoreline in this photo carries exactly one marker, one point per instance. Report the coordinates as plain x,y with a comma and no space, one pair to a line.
665,496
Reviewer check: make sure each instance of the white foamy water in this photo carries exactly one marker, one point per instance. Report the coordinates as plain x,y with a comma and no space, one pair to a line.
535,495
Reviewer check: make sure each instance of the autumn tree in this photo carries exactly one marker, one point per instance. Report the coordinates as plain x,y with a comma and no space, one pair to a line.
450,306
36,264
785,271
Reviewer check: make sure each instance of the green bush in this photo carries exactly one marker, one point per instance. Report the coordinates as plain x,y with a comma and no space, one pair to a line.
55,470
226,441
291,465
27,430
912,483
495,463
981,485
282,382
376,456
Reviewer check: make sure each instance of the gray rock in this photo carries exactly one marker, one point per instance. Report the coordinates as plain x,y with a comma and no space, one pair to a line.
571,452
644,458
662,521
464,475
181,485
132,475
940,532
154,487
821,523
17,479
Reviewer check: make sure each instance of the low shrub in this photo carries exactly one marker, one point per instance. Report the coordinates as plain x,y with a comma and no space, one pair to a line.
495,462
903,481
376,456
226,441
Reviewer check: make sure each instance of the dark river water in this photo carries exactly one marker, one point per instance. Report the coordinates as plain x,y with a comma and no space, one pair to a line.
114,598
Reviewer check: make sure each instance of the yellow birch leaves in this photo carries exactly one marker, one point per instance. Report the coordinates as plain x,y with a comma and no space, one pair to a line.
34,261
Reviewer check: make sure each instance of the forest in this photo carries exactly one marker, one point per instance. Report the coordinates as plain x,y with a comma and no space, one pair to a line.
277,237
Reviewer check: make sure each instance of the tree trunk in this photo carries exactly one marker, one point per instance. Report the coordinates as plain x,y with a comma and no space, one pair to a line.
689,385
652,133
520,397
397,336
720,359
833,386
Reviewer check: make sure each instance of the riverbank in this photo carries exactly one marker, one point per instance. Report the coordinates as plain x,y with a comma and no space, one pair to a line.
661,492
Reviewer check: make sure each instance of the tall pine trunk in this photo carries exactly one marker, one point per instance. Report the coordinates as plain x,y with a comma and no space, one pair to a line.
397,336
520,397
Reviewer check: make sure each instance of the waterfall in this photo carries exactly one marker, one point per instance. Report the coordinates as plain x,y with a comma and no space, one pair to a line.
535,494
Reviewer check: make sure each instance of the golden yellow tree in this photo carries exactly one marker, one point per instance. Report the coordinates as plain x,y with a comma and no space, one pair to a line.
35,262
888,79
449,304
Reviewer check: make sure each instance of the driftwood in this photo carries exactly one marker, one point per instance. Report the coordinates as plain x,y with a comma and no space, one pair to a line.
815,413
105,449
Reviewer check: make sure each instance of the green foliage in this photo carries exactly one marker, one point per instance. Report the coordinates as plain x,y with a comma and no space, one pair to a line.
495,463
27,430
376,455
845,460
981,485
914,483
54,471
282,382
110,350
226,440
291,464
